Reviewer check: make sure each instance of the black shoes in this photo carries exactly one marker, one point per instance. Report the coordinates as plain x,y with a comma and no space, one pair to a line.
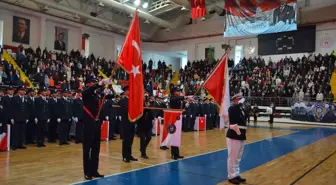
176,157
98,175
237,180
234,181
22,147
126,160
133,159
144,156
240,179
87,177
164,148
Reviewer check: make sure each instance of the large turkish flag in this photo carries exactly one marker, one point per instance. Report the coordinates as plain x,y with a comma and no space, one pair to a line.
130,59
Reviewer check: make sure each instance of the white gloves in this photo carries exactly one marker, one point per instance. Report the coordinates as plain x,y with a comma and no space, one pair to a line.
120,118
190,116
105,81
12,121
0,124
48,120
116,117
107,118
76,119
69,119
241,100
205,115
27,121
36,120
59,120
235,128
107,91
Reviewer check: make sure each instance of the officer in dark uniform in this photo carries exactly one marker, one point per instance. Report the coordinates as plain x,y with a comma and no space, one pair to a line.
214,113
32,122
78,111
65,115
272,114
3,120
110,115
128,128
19,118
91,127
207,113
175,103
145,126
255,112
43,116
54,110
7,105
235,138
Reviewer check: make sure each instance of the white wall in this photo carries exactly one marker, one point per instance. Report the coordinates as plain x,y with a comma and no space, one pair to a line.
174,61
74,35
35,27
1,32
42,32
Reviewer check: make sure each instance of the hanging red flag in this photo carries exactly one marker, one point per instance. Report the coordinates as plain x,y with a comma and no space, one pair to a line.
130,59
197,8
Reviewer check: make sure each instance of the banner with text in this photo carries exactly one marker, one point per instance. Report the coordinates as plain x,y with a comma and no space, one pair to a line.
253,17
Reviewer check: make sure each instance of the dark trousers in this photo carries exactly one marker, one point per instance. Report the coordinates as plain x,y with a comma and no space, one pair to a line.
191,123
111,128
128,134
18,133
52,130
271,118
175,151
63,129
79,131
91,146
120,128
145,137
40,128
255,118
208,122
30,131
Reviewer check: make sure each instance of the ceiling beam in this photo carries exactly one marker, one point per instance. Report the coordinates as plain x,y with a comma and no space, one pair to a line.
83,14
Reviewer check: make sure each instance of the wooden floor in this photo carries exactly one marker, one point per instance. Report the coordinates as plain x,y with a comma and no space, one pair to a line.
63,164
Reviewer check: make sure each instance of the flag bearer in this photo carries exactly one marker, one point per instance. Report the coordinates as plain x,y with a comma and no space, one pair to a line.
235,137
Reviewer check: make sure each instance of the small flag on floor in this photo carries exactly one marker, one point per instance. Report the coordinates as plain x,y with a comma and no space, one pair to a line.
172,127
5,140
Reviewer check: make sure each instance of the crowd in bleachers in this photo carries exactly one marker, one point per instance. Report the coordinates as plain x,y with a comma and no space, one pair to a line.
305,78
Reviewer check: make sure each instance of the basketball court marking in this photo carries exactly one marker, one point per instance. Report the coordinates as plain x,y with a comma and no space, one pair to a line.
160,164
210,168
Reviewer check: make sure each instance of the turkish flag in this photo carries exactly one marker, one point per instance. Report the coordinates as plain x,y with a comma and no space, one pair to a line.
197,8
270,5
217,85
130,59
244,8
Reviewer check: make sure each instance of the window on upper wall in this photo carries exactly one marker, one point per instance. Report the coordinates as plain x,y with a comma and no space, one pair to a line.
238,54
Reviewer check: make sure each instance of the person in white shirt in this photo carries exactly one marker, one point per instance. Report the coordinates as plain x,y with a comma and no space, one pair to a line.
319,96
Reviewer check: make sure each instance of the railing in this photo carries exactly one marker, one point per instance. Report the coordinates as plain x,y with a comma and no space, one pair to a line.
266,101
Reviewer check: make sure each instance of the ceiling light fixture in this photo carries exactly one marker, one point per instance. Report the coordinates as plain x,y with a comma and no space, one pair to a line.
145,5
137,2
183,8
203,19
147,22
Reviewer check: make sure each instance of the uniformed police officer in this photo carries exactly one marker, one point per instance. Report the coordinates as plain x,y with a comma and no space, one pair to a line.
3,121
19,118
54,115
78,111
65,116
91,127
144,127
43,116
175,102
128,128
235,137
31,125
